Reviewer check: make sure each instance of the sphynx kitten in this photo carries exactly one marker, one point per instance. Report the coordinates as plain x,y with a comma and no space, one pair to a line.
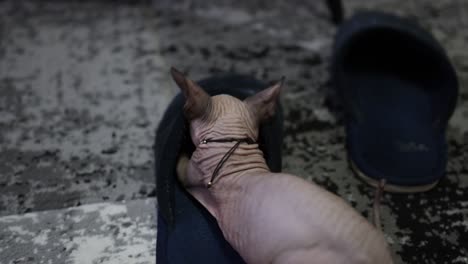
267,217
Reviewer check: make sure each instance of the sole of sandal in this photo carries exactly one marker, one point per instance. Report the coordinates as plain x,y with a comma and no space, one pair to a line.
391,187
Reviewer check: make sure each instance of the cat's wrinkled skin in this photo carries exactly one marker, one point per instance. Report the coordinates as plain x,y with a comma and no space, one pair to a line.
267,217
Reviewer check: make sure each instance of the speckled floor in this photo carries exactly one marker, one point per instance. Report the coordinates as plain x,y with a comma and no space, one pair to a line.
84,84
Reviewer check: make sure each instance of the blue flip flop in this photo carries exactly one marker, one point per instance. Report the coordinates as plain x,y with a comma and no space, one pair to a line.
187,233
398,89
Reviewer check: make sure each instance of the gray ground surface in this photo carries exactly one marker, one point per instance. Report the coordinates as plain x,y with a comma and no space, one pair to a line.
83,86
93,233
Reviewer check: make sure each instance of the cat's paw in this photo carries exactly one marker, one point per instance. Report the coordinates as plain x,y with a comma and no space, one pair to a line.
181,169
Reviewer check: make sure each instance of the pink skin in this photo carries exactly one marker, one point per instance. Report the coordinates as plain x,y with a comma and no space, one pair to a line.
267,217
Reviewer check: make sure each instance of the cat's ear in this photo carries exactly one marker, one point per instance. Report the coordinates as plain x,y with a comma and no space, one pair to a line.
262,105
197,101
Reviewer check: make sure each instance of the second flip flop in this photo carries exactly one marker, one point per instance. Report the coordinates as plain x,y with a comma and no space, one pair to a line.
399,90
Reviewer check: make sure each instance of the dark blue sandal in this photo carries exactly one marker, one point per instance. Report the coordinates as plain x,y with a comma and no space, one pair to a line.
187,233
399,90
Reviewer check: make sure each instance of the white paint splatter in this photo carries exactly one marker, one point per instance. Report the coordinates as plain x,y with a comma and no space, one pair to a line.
105,210
406,240
16,218
112,210
461,260
460,223
102,249
41,238
228,15
315,44
20,231
457,211
89,249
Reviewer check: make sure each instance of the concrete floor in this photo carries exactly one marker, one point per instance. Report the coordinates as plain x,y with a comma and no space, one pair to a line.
83,86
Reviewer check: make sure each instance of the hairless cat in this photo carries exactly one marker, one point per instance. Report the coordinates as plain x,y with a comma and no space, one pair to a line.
267,217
